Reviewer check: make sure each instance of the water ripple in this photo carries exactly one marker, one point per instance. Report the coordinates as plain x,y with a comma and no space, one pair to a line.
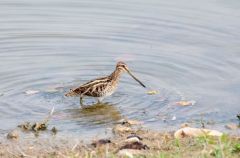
179,49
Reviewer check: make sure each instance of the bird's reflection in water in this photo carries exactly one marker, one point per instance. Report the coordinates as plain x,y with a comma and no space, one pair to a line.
100,113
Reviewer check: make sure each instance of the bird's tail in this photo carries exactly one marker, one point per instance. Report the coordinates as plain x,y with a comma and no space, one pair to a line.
71,93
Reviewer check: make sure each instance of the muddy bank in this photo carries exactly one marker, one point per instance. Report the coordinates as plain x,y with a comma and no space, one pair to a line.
127,140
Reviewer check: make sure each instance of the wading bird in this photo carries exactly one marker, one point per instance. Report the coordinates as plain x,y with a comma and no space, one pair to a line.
102,87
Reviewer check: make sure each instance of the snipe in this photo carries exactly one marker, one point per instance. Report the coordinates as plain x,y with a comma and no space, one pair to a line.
102,87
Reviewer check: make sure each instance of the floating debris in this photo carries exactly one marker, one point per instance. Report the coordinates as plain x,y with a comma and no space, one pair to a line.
174,118
31,92
25,126
135,145
37,126
13,135
231,126
185,103
101,142
54,130
195,132
152,92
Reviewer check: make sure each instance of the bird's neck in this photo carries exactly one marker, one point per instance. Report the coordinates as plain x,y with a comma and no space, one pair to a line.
115,76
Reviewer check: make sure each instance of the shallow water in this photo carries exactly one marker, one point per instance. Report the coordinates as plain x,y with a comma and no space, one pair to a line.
188,50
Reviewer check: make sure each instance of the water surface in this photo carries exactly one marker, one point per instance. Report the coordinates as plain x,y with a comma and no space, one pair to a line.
188,50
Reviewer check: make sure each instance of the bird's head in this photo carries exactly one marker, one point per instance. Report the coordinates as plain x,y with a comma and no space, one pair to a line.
122,67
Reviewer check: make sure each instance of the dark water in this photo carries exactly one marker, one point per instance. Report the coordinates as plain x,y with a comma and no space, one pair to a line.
187,50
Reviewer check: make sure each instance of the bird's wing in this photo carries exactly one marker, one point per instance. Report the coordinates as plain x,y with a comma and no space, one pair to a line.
95,87
90,88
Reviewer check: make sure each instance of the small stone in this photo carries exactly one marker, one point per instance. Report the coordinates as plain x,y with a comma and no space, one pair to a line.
196,132
13,135
132,139
134,135
232,126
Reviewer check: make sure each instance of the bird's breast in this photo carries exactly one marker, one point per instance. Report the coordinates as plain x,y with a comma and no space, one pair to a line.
110,89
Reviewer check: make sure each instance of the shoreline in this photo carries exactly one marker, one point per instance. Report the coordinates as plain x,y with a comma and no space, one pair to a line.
128,139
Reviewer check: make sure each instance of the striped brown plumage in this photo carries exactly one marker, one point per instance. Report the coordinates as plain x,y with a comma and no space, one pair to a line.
101,87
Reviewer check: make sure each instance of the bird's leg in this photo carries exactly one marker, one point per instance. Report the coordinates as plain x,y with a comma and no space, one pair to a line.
81,100
99,100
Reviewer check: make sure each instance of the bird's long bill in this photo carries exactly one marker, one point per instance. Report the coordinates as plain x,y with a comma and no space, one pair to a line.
136,78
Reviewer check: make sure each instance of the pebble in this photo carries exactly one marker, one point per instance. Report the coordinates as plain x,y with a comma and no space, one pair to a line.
195,132
132,139
134,135
13,135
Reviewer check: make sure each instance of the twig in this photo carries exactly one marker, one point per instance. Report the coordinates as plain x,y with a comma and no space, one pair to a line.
73,148
49,116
